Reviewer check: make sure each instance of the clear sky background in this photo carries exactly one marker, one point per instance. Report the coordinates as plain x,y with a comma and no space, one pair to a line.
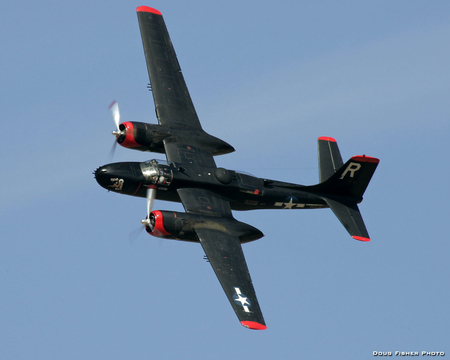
269,78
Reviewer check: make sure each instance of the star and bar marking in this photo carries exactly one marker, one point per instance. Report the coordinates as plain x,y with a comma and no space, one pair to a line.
241,299
292,203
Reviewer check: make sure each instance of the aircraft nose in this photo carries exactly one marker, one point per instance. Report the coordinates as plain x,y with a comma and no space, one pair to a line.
102,176
124,177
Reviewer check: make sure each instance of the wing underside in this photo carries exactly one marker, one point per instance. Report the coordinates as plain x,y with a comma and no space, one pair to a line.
174,107
225,254
223,249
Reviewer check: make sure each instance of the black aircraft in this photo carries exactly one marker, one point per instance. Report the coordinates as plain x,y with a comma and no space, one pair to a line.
209,193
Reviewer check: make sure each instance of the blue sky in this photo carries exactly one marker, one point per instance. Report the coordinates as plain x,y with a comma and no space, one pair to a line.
269,79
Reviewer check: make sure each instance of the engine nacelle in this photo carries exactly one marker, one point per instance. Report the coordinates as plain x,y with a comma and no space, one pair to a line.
150,137
142,136
181,226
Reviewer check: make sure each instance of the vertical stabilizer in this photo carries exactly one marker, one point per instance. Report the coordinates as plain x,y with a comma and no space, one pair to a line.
350,180
330,159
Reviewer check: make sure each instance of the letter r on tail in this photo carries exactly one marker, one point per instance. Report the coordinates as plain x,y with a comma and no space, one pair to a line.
351,168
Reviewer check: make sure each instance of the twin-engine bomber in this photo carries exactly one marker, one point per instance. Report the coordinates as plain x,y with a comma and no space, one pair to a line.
209,193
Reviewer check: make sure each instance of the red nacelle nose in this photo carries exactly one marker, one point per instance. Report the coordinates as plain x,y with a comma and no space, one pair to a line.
156,227
128,138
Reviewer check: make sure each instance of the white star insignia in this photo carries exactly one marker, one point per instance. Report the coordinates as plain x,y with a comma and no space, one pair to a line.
242,300
290,204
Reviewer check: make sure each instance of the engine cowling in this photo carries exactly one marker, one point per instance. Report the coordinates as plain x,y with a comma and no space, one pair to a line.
181,226
150,137
142,136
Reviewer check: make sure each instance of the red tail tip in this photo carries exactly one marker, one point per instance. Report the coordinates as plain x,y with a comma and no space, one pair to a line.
253,325
148,9
326,138
360,238
364,158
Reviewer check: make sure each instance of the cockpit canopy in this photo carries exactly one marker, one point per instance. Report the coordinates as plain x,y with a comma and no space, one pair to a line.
157,172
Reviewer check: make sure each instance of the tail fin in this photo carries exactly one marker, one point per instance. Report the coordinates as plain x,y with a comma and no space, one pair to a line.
350,181
330,159
342,186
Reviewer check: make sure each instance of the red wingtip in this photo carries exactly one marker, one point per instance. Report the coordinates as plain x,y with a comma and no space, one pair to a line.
360,238
148,9
326,138
253,325
364,158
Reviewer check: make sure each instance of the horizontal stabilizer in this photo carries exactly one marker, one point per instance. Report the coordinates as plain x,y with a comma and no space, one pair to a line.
349,216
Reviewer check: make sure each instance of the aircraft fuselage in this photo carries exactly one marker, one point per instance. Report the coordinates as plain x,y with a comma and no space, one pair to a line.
244,192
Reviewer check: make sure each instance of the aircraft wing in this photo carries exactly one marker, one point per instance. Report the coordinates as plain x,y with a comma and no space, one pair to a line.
195,158
174,107
192,151
224,252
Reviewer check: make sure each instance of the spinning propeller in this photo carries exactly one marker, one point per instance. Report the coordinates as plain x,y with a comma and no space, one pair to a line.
149,221
114,108
151,194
